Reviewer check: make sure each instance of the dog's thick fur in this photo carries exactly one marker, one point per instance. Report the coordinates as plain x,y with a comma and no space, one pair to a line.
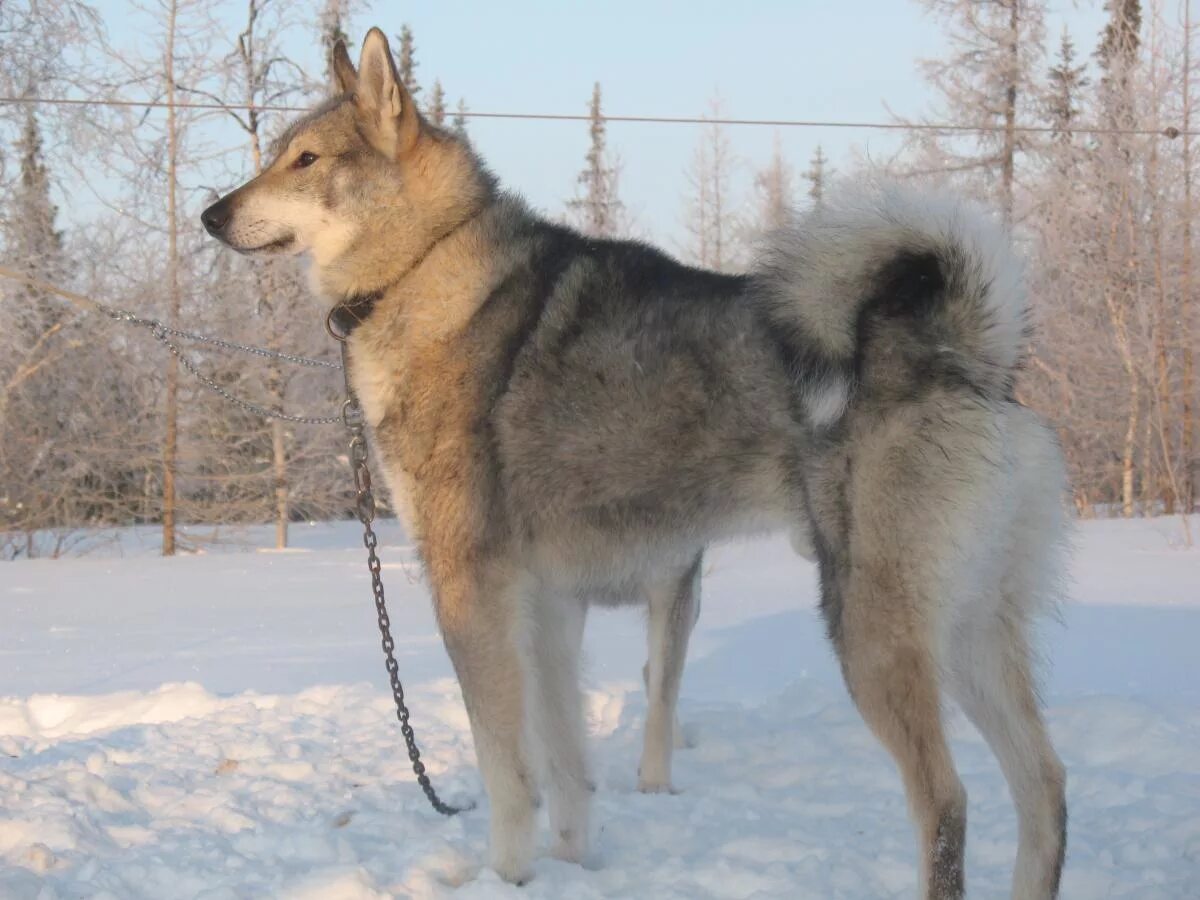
569,420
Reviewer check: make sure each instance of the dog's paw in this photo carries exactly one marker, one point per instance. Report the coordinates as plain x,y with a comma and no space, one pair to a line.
512,848
654,786
570,846
514,871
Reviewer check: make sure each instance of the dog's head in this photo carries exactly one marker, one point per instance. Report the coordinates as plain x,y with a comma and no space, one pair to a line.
362,169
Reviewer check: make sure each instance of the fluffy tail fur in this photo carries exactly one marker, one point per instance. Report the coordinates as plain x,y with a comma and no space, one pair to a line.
887,269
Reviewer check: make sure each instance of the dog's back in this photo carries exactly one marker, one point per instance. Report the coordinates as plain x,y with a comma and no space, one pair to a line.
646,412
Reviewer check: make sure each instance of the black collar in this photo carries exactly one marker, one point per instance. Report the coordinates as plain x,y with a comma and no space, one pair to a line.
353,311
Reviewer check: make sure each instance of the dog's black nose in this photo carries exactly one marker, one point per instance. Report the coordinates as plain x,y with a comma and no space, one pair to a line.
216,217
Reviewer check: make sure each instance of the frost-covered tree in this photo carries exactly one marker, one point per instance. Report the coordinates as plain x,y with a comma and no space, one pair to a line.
1109,233
708,212
39,475
32,243
260,75
1066,81
596,208
773,192
1117,256
1189,303
988,78
31,320
1118,50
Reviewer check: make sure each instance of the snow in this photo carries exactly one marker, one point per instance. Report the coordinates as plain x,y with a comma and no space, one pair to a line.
217,725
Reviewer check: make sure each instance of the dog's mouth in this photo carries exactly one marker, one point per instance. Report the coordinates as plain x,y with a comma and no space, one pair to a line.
276,246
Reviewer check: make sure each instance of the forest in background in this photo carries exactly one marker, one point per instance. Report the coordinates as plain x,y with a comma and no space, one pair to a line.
1081,142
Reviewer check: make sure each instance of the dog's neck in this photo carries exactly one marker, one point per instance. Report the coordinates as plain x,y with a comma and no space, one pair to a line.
356,302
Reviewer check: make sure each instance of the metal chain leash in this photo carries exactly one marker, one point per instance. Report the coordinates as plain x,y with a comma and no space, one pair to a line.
364,506
163,334
162,328
265,412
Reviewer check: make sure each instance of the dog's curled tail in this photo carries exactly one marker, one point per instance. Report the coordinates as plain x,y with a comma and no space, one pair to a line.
935,266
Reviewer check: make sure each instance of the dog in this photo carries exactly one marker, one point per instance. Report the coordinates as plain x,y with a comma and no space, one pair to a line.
570,421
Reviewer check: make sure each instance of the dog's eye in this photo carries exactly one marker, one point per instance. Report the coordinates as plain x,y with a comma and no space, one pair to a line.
305,159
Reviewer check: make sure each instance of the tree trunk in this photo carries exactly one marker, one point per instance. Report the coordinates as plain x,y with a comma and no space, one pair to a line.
1188,318
1127,468
269,285
281,485
171,442
1010,111
1160,399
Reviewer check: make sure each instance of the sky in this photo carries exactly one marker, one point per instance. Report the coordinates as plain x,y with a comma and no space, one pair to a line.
765,59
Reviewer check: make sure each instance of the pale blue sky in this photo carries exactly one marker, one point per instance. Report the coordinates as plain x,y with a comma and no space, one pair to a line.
802,59
767,59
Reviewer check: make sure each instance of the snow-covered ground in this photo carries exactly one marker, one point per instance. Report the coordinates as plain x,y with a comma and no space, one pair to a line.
217,726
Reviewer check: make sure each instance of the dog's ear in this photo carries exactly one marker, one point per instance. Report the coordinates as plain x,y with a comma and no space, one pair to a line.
344,75
383,99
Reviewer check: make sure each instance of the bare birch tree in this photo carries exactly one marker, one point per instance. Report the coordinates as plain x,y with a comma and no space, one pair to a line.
989,79
1188,321
708,210
773,192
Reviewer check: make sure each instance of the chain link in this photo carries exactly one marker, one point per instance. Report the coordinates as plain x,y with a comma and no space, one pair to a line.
364,502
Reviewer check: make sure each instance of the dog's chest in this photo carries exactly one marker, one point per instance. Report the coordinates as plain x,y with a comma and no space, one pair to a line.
377,377
416,402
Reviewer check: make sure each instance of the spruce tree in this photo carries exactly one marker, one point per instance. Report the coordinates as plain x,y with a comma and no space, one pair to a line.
1066,82
32,243
459,123
1117,53
595,209
408,61
36,390
818,176
437,104
333,30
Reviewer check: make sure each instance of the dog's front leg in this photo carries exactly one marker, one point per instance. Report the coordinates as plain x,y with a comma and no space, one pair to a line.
674,602
478,609
554,635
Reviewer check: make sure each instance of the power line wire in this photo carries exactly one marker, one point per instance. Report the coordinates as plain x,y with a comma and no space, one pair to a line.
1170,132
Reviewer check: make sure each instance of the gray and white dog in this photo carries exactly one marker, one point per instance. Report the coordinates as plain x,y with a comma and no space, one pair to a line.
569,420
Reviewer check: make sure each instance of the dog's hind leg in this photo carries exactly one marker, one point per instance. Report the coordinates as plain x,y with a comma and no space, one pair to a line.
479,614
674,603
989,657
888,659
992,682
555,633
